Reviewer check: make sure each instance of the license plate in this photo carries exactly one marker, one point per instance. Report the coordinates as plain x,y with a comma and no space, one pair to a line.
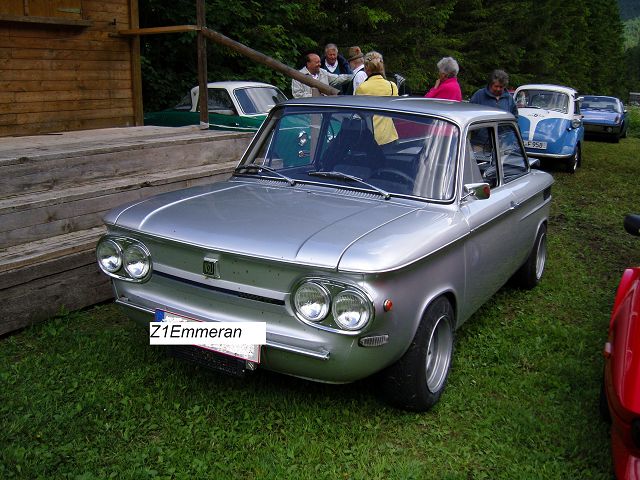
535,144
242,351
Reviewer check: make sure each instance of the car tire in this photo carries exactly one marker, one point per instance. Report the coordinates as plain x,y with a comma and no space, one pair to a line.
575,161
531,271
417,380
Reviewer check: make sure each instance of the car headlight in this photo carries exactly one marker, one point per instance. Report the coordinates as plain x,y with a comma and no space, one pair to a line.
351,311
311,301
576,122
136,261
109,256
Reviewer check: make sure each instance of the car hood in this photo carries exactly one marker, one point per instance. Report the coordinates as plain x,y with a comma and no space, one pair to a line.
324,227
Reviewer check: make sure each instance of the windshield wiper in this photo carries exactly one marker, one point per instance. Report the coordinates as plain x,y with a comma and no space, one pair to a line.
344,176
257,168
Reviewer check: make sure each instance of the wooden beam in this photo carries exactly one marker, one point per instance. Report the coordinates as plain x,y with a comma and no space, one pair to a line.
159,30
268,61
203,98
136,69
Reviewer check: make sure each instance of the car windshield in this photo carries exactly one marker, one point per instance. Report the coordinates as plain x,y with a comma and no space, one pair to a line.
258,100
384,152
545,99
601,103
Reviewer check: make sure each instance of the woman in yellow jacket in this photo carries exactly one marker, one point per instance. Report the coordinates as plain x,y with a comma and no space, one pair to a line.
377,84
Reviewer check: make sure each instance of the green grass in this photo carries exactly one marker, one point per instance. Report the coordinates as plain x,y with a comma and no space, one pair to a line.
84,396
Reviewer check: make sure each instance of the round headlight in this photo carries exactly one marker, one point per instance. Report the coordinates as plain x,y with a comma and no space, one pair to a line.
109,256
136,261
576,122
311,301
351,310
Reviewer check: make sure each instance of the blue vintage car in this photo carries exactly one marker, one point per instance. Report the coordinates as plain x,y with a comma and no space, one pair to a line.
604,116
551,123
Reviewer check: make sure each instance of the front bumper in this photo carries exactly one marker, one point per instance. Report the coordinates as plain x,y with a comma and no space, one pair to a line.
600,129
306,353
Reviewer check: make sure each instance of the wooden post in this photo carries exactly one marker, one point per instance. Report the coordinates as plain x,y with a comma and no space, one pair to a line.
136,69
203,96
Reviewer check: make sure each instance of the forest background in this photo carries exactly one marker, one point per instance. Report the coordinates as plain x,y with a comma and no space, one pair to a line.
590,45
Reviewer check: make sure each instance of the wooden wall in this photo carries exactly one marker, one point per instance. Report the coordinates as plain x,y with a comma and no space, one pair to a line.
63,66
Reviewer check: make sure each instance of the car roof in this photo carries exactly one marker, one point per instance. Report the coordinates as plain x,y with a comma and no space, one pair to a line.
459,112
233,84
547,86
601,96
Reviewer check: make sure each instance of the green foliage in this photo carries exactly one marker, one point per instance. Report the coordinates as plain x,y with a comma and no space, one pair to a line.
84,396
579,43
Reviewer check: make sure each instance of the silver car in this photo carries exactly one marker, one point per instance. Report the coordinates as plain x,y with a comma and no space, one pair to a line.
362,230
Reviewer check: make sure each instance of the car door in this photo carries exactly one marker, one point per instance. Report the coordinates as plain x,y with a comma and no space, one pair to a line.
492,241
526,201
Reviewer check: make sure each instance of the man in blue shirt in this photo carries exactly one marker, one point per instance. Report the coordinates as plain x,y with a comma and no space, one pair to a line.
495,94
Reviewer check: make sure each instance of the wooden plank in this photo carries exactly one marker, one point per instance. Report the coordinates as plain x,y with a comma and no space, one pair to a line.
103,202
78,64
85,112
31,260
56,86
41,176
60,106
62,40
48,53
159,30
65,76
136,69
63,126
45,297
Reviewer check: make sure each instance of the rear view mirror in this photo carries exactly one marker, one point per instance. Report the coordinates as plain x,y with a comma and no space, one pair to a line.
480,191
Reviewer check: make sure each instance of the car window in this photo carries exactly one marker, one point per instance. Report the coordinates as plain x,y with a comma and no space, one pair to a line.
219,99
544,99
258,100
185,103
421,161
483,154
512,157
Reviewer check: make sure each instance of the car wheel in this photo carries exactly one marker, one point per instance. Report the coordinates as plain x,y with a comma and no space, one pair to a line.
530,273
417,380
574,162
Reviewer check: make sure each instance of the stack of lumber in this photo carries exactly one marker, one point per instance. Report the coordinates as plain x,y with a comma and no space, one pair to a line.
54,190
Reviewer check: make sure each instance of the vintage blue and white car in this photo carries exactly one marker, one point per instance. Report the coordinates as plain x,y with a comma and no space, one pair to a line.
361,230
551,123
604,116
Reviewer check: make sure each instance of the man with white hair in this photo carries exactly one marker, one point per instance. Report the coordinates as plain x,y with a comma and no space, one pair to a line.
333,62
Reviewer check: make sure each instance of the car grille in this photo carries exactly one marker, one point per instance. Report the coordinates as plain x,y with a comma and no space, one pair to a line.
207,358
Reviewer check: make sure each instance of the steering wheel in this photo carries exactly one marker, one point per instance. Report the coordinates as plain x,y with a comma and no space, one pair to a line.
393,175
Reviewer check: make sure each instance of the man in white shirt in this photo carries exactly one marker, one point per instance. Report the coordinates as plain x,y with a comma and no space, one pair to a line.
312,68
356,62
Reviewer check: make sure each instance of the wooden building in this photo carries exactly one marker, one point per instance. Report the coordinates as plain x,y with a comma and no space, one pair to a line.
63,66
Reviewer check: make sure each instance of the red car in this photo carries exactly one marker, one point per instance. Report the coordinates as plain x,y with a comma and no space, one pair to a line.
620,396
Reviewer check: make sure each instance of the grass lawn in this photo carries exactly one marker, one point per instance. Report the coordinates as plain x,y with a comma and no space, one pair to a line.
84,396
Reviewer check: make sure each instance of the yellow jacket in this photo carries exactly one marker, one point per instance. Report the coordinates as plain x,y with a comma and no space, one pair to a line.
384,130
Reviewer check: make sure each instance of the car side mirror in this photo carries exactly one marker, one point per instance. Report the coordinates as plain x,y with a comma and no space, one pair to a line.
632,224
534,162
480,191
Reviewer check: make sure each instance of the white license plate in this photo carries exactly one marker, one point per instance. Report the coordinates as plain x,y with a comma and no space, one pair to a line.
243,351
535,144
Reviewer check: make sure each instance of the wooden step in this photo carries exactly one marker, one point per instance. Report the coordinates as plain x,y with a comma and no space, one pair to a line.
36,216
29,166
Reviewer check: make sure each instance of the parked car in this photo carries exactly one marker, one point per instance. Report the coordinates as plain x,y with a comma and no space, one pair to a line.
620,395
604,116
363,230
233,105
551,123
